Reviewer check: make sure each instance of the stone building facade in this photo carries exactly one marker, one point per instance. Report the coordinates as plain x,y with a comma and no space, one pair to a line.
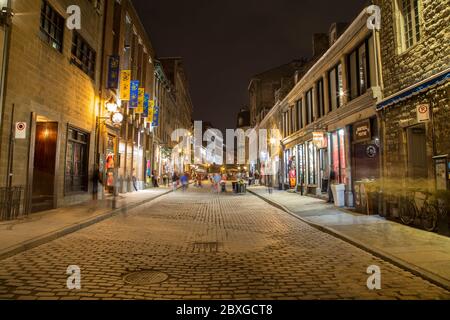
415,111
54,90
126,148
84,136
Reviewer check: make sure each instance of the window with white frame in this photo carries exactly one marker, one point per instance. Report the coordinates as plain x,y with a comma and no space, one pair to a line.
408,23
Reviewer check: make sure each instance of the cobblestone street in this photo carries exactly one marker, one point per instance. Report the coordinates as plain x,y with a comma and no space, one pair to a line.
211,247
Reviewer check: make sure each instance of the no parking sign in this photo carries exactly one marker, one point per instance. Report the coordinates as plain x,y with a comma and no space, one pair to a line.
21,130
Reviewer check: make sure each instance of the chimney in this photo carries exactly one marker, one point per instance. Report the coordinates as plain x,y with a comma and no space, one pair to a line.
320,43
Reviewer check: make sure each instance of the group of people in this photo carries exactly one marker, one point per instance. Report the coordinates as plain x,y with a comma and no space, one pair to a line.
183,179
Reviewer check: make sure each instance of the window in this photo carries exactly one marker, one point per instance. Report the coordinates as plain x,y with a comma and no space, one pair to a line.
320,99
309,107
300,114
76,176
52,26
336,88
359,70
83,56
408,23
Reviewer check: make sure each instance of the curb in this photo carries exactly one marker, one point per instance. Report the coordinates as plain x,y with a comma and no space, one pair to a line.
40,240
417,271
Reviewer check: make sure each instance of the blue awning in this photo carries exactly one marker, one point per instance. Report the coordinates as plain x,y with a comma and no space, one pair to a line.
421,87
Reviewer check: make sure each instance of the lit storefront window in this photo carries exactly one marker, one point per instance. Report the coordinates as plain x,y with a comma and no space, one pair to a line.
338,156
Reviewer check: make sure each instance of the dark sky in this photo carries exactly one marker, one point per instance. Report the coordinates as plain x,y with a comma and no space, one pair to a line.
225,42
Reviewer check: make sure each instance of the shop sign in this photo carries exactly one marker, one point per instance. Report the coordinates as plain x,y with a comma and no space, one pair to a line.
362,131
125,79
423,113
371,151
320,140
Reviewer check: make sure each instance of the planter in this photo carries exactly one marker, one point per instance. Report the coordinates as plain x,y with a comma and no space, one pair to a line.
338,194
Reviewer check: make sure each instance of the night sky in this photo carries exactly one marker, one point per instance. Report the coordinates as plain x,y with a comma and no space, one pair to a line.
225,42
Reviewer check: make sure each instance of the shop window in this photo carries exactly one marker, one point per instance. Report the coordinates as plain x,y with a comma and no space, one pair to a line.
320,99
408,23
76,175
83,56
312,159
51,26
309,107
338,156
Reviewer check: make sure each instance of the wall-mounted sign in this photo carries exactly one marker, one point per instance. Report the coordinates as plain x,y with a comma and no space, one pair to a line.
371,151
362,131
21,130
441,170
423,113
320,140
125,78
113,72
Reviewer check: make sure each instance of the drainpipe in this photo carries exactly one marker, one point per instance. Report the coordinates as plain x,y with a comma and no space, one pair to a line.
6,20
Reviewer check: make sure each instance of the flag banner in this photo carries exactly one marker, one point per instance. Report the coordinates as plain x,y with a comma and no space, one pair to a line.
150,114
113,72
155,117
125,78
146,104
140,107
134,94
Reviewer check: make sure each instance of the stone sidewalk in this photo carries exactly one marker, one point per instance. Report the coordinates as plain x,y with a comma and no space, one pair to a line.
424,253
20,235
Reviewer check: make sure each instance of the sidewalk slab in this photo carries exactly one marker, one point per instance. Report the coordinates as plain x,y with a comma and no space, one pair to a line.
20,235
423,253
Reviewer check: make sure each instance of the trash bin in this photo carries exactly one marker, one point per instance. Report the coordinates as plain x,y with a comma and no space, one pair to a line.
338,194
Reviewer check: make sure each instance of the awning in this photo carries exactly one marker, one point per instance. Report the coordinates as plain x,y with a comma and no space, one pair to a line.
416,89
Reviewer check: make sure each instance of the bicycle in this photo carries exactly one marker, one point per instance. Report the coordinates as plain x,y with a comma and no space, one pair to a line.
429,212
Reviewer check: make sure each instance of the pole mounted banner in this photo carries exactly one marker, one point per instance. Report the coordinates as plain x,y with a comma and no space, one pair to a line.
125,79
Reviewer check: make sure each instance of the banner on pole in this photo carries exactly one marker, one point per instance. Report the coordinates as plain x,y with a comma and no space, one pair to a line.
125,78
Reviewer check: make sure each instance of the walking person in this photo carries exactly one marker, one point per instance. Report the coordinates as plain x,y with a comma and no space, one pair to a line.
175,181
155,179
217,180
184,181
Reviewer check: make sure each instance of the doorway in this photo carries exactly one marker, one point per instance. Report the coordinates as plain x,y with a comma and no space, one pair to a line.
43,190
417,152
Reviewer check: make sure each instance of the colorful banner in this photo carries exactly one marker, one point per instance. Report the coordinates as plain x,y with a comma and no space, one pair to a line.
125,78
155,117
146,104
141,95
113,72
151,110
134,94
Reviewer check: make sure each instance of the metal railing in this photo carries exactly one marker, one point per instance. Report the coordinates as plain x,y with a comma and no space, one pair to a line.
10,200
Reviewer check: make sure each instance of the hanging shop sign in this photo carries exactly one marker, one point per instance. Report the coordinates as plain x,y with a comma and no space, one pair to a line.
125,79
362,131
141,96
320,140
113,72
423,113
134,94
